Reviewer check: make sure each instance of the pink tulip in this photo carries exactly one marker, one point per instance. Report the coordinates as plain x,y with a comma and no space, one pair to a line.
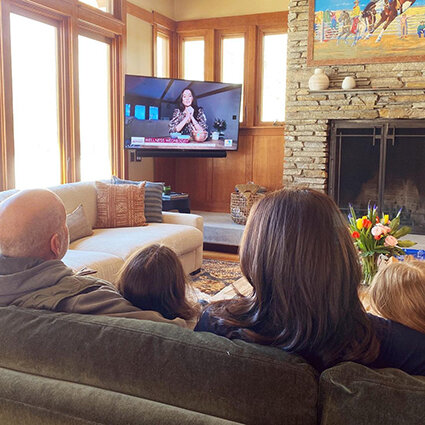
390,241
377,230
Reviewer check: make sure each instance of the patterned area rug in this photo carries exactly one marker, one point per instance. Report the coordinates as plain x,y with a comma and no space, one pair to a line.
216,275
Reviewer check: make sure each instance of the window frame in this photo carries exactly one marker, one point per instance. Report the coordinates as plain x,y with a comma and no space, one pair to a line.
208,37
252,26
263,31
233,33
72,18
167,34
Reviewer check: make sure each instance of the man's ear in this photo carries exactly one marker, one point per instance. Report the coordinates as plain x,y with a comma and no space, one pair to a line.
55,245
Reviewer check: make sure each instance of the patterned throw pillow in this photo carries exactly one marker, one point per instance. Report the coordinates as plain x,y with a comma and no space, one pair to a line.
153,198
120,205
78,225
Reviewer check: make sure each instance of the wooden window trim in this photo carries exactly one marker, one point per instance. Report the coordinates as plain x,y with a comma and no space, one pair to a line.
261,32
159,31
228,33
116,94
208,37
71,18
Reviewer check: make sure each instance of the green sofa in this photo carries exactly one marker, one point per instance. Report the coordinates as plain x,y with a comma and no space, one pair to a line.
58,368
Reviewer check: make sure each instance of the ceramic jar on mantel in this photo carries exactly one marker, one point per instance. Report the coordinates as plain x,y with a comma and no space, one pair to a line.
348,83
319,80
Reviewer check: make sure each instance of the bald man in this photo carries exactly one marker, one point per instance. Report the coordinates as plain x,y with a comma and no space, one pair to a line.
33,240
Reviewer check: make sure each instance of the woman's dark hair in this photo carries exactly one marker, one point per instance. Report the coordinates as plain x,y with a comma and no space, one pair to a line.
154,279
194,102
299,257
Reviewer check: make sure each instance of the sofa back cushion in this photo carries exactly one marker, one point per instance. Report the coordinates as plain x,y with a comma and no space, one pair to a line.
78,225
120,205
199,371
153,198
74,194
352,394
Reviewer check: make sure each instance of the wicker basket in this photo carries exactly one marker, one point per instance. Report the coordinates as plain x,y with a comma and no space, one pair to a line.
241,205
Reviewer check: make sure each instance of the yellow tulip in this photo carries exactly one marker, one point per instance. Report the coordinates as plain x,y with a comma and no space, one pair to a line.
359,223
386,218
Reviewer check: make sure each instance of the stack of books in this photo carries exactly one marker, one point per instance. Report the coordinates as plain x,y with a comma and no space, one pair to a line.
174,195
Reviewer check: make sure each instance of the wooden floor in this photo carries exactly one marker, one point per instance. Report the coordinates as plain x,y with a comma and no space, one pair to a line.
223,256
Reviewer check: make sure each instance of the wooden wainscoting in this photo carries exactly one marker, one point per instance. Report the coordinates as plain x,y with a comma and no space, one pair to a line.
209,181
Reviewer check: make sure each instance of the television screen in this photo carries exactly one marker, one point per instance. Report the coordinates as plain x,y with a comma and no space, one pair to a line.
171,114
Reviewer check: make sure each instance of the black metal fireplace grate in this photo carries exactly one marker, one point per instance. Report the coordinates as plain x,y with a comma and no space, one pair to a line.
379,162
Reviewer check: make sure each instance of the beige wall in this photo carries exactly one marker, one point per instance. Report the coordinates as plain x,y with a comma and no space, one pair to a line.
139,62
165,7
199,9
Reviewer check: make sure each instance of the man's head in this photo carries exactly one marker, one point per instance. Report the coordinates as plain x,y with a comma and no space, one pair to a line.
33,224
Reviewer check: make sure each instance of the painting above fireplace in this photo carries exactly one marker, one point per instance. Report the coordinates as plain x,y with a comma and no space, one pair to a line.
363,31
381,162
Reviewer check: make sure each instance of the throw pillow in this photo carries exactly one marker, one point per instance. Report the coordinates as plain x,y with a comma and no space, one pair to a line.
78,225
153,198
120,205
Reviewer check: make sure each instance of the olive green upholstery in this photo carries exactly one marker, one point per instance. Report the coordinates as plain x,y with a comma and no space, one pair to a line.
66,369
58,368
352,394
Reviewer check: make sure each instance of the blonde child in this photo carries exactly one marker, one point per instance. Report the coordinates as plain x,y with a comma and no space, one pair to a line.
153,279
398,293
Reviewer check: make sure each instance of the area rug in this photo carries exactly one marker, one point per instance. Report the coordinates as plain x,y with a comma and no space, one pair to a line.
216,275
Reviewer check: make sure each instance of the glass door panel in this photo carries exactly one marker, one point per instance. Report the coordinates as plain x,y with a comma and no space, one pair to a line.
35,102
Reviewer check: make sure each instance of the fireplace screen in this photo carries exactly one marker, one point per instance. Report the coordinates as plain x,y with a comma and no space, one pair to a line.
382,163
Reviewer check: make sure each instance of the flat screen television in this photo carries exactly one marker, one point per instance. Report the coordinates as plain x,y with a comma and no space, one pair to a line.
171,116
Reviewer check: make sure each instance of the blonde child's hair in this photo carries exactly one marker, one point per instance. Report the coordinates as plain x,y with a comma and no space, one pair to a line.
398,293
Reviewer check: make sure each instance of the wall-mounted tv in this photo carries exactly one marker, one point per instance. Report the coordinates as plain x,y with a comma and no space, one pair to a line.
168,115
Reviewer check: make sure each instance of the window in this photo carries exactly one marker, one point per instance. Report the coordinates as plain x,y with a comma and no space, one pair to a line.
140,112
153,112
105,5
35,104
273,82
162,56
233,63
127,110
193,59
61,113
95,106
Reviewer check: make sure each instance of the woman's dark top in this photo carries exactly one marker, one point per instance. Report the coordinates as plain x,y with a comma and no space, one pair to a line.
401,347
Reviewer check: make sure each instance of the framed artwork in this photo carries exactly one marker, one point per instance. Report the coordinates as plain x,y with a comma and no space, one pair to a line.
363,31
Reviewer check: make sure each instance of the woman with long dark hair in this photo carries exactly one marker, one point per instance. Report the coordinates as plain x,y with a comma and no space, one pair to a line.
188,117
299,257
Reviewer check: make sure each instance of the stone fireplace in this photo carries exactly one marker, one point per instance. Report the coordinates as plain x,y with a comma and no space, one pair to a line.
382,162
385,91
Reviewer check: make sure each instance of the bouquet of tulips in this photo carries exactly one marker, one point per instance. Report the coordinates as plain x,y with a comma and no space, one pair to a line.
375,236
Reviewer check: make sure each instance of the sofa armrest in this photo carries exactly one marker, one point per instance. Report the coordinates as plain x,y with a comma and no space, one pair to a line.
186,219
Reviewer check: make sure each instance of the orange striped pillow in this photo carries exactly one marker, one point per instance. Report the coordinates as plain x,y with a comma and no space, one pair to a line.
120,205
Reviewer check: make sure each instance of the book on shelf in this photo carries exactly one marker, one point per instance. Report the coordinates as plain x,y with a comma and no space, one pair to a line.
175,195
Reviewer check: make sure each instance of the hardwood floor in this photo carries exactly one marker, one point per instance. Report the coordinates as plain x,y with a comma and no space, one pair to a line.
223,256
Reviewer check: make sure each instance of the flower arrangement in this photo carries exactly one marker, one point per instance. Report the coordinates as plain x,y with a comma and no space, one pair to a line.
375,236
220,125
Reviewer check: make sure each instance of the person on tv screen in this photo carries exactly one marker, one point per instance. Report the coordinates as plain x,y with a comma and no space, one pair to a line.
188,118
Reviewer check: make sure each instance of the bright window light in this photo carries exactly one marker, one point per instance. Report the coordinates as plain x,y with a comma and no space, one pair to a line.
193,59
274,78
95,120
105,5
232,64
162,56
35,105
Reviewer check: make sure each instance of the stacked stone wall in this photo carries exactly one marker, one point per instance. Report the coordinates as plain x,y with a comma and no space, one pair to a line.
385,91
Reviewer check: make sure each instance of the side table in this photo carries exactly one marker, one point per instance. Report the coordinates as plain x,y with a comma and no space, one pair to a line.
182,205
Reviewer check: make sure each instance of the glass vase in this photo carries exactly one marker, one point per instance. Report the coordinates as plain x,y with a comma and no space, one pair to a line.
370,267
